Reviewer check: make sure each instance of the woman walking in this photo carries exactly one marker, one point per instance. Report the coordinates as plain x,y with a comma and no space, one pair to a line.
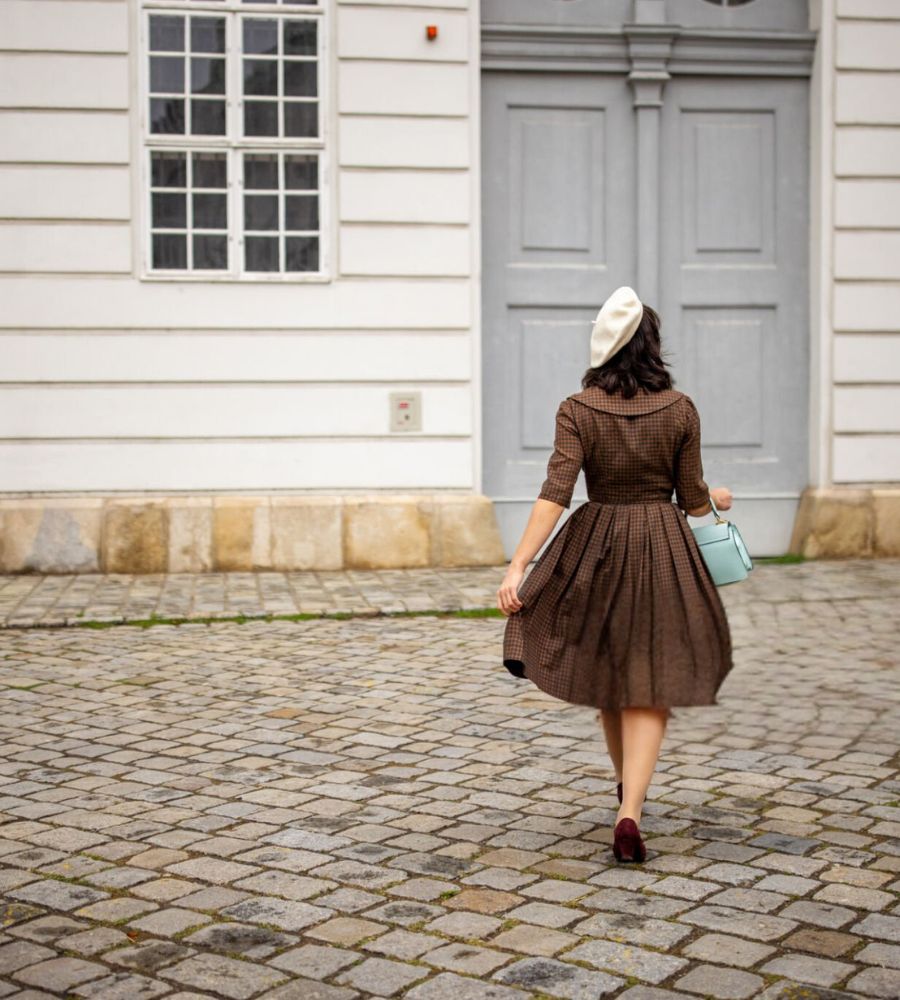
620,611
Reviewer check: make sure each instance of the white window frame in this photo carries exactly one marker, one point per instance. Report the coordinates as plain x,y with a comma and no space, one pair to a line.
233,143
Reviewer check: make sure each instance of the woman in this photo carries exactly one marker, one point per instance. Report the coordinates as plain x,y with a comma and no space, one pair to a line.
620,611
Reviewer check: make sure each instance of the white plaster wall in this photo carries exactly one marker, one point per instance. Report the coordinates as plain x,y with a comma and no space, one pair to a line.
862,192
113,382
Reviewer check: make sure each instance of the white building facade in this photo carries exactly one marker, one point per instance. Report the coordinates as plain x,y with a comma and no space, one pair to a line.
278,278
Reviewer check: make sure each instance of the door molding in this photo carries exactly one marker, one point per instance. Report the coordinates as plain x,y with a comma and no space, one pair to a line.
695,51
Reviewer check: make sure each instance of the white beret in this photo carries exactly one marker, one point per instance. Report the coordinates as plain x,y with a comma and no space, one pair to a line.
615,324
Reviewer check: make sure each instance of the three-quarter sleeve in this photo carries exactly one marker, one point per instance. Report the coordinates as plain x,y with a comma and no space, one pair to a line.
566,461
691,490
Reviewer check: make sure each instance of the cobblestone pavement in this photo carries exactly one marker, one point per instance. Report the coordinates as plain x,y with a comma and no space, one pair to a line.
70,599
332,808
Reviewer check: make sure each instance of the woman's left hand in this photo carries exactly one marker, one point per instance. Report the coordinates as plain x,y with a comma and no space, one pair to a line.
507,595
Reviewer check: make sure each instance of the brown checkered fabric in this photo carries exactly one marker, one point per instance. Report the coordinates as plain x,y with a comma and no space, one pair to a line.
620,609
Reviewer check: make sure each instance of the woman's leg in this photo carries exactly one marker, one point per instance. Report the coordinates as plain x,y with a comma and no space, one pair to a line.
642,735
612,730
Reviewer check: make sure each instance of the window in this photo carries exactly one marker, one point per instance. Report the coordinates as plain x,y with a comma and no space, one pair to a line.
233,138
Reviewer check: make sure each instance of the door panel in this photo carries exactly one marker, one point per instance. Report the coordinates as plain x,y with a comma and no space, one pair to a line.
558,202
734,286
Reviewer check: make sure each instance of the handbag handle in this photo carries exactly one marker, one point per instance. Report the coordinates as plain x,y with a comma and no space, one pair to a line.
719,518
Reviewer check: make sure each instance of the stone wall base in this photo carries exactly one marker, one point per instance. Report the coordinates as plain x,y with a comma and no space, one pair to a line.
842,522
234,533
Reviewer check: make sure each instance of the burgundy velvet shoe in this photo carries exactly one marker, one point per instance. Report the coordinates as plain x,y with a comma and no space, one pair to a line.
627,843
619,792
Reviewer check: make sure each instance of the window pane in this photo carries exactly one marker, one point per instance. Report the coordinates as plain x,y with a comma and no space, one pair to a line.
301,119
207,76
168,170
260,118
167,74
300,38
166,34
169,251
301,173
261,173
166,115
300,79
261,211
169,210
208,117
210,211
210,252
261,253
260,37
301,212
207,34
261,77
209,170
302,253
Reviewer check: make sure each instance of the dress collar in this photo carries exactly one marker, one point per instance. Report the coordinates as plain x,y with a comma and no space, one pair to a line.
644,401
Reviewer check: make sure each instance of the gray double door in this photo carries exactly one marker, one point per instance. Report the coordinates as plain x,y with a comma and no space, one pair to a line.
565,221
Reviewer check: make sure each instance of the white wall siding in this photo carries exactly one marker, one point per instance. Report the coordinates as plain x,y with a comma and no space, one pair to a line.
116,381
64,137
51,191
866,243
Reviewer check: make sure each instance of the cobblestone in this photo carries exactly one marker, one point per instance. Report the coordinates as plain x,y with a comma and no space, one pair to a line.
371,808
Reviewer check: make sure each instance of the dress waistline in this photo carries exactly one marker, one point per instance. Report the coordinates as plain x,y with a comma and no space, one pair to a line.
619,503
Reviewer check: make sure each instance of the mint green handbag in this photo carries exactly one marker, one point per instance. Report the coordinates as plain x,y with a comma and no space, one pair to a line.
723,550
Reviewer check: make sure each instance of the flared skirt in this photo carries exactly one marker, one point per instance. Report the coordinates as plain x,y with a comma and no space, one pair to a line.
620,610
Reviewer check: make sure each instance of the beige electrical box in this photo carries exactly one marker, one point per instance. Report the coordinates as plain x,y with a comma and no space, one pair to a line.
406,411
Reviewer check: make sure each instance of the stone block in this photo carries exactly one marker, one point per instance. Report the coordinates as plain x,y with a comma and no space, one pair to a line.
135,536
833,523
50,535
389,532
241,539
306,533
190,534
886,510
467,532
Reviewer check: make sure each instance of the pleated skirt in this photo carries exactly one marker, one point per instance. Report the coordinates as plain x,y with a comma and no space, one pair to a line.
620,611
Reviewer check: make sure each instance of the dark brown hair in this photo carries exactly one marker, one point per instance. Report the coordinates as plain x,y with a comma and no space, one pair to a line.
638,364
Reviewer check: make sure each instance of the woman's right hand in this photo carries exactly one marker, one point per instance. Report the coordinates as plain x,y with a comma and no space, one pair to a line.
722,497
507,595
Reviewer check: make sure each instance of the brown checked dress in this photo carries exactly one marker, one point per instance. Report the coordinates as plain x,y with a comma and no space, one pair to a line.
620,609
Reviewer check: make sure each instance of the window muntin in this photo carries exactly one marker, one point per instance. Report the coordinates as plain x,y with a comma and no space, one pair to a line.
232,90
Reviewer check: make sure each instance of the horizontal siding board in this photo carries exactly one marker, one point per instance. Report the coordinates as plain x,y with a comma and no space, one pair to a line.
867,99
867,152
222,411
374,87
394,33
426,5
64,137
867,203
869,408
863,306
404,196
405,250
403,142
62,80
864,45
413,463
65,302
65,25
65,247
877,9
868,255
860,357
866,458
64,192
250,355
